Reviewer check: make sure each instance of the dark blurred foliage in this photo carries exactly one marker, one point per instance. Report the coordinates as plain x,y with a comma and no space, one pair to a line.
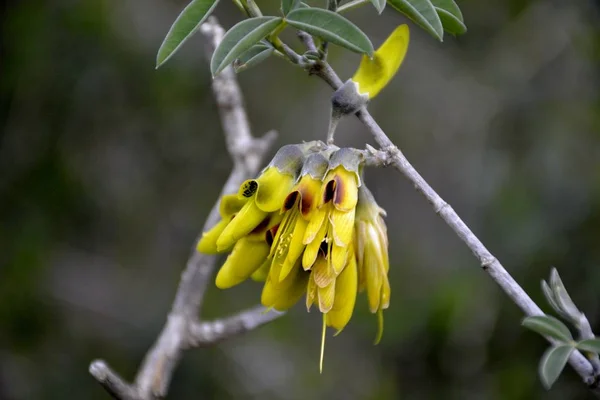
109,167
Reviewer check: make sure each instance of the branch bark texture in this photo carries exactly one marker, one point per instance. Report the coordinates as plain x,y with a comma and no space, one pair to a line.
183,328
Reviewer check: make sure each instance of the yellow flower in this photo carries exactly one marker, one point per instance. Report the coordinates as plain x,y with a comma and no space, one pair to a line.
229,206
374,74
312,250
331,226
287,245
250,218
256,198
306,225
372,254
248,255
335,297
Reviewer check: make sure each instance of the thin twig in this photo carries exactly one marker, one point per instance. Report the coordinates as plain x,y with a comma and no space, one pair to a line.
209,333
307,40
183,328
391,155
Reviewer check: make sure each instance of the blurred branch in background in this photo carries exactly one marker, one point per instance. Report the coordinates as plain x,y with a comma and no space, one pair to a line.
184,329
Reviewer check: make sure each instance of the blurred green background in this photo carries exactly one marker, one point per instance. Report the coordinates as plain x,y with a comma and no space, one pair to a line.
109,167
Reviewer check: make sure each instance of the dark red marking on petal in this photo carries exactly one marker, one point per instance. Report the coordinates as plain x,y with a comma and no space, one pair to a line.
330,190
306,201
262,226
270,235
323,248
340,192
290,200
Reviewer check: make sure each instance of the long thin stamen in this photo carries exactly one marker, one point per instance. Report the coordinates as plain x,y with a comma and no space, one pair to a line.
379,326
323,343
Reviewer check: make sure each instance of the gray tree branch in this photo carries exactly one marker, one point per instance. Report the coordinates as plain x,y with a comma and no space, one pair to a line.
392,156
183,328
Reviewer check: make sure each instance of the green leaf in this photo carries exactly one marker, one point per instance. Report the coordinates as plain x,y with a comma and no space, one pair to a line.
289,5
252,57
241,38
423,13
548,326
450,15
562,297
591,345
552,363
550,297
184,26
331,27
379,5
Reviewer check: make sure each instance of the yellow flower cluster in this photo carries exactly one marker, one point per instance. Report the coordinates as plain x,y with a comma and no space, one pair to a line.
306,225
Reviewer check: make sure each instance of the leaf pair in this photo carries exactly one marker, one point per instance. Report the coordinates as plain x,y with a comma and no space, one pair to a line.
555,358
327,25
434,16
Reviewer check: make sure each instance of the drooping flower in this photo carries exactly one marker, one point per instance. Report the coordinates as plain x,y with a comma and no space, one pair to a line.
331,225
329,253
265,194
286,276
306,225
372,254
249,217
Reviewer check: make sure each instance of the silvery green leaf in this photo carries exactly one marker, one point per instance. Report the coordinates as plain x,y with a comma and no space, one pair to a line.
255,55
450,15
591,345
548,326
553,362
184,26
240,38
423,13
331,27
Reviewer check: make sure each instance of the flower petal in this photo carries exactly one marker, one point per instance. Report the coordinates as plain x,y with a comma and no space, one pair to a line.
345,296
295,248
273,188
315,225
260,275
284,294
326,296
208,243
311,292
312,249
346,189
360,238
230,204
385,293
244,222
323,272
309,189
342,223
373,269
374,74
339,257
247,256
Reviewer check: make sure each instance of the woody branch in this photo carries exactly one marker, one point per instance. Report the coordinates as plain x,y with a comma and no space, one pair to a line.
184,329
390,155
